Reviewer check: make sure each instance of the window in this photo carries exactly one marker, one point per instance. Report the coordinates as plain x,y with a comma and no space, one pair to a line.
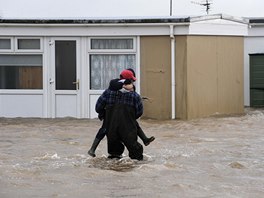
109,58
65,64
111,43
20,71
5,44
106,67
28,44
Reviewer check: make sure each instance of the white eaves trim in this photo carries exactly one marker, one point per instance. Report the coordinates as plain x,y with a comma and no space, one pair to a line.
93,31
256,31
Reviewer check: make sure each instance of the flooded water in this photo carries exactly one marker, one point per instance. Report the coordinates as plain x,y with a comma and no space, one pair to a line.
210,157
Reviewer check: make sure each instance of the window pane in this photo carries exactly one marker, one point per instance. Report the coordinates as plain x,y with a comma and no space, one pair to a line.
107,67
5,44
21,71
20,77
20,60
65,60
112,44
28,43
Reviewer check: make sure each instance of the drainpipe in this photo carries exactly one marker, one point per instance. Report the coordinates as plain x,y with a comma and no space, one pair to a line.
172,72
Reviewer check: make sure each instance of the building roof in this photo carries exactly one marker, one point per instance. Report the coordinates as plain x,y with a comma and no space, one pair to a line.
217,24
256,20
96,20
134,20
259,21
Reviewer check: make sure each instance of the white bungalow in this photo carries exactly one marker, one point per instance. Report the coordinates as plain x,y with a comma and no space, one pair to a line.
188,67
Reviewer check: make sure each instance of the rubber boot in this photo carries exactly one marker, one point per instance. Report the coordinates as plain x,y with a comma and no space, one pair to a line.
143,137
96,142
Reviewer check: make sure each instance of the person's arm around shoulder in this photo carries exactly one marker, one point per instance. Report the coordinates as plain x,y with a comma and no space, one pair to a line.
115,84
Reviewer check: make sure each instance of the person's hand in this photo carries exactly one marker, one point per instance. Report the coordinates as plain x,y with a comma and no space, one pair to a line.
128,81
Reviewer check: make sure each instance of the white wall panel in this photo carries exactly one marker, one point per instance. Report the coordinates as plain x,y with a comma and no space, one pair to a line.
66,106
19,105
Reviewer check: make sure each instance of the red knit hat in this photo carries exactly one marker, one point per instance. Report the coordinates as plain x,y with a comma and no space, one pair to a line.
127,74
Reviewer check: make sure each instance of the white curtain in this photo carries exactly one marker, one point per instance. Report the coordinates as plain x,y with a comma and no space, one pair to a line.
104,67
112,44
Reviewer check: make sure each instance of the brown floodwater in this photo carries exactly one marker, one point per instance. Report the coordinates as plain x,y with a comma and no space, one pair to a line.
209,157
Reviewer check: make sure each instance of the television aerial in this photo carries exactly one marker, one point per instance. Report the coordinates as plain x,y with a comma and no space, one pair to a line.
206,3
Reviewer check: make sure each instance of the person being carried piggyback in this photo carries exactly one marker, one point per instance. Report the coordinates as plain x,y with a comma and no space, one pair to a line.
123,84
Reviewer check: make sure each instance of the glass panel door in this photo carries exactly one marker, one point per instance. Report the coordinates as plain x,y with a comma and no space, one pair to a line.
65,64
64,78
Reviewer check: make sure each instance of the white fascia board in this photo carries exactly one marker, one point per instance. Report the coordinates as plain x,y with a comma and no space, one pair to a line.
256,30
108,30
181,30
218,27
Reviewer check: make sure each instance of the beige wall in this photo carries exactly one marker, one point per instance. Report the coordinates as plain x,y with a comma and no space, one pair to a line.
214,75
209,76
156,76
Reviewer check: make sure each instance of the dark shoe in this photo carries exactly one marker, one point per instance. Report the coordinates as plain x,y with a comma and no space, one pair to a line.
151,139
114,156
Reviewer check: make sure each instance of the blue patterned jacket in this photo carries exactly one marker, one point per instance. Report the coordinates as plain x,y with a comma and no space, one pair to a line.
109,97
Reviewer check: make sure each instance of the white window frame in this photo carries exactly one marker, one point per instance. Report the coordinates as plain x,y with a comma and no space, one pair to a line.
14,51
11,43
132,51
109,51
29,50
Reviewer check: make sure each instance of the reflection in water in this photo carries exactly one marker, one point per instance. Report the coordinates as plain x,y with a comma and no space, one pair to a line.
210,157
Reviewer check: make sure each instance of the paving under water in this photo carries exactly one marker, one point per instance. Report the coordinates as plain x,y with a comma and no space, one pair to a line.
210,157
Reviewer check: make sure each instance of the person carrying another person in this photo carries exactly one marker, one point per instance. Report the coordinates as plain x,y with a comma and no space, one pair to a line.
123,85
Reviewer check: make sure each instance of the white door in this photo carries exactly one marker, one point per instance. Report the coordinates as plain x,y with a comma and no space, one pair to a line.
64,78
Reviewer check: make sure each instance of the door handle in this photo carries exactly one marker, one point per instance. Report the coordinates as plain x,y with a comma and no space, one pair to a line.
51,81
77,84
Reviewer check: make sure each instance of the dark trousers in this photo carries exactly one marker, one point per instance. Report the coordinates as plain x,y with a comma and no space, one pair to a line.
122,131
101,133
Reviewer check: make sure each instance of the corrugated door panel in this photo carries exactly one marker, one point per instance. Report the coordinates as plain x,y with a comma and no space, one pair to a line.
257,97
257,80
